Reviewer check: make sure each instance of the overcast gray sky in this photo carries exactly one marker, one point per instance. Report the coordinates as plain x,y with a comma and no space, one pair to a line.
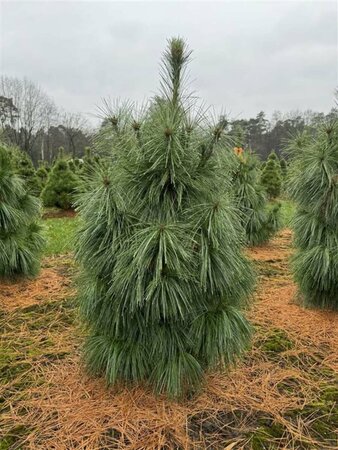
248,56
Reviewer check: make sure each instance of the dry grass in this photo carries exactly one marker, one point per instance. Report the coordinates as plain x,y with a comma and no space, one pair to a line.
281,396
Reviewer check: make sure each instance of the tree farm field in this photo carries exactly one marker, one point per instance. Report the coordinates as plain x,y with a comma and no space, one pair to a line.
282,394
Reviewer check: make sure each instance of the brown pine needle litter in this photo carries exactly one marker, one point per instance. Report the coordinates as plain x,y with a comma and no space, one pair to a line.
51,285
282,395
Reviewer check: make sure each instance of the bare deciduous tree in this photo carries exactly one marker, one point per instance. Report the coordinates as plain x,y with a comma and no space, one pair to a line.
35,110
73,126
8,111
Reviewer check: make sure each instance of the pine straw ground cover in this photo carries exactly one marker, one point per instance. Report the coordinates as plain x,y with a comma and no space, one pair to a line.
283,395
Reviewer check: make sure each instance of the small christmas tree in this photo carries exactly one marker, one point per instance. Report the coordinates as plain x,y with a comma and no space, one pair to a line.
164,276
313,184
284,167
273,155
259,221
27,172
271,177
20,236
61,185
42,175
238,135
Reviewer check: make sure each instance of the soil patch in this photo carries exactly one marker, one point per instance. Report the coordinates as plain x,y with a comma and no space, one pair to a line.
58,213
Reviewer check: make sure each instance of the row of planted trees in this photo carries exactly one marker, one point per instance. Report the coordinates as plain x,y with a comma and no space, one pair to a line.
164,222
58,183
55,184
270,173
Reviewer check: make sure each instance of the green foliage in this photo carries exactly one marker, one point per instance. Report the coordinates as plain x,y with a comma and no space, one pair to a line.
88,155
273,156
313,184
271,177
42,175
61,186
238,135
20,236
259,221
47,166
76,166
26,172
163,273
90,163
72,166
284,167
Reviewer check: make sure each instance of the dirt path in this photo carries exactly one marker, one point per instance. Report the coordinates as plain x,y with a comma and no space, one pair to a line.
276,302
57,213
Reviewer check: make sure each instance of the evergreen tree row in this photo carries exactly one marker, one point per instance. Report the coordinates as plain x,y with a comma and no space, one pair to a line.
272,176
21,241
259,219
56,185
313,184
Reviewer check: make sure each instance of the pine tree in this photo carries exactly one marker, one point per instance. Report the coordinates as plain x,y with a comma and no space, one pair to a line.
271,177
284,167
27,172
61,185
238,135
259,221
163,273
42,175
313,184
273,155
20,236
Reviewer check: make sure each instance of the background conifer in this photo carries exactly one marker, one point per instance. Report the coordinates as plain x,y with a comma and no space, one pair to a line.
271,177
61,185
284,167
21,241
259,220
27,172
313,184
42,175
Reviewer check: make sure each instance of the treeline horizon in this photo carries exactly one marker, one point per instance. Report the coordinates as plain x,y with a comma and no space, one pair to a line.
31,121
